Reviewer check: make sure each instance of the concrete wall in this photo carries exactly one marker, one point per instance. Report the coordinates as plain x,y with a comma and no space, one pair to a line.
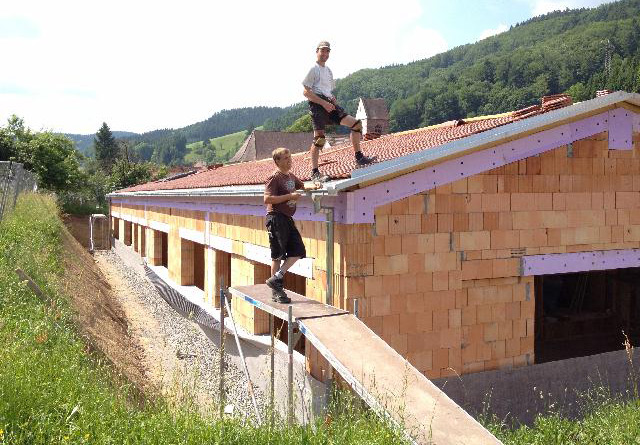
565,385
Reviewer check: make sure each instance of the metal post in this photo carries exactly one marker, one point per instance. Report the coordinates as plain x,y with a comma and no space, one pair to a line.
290,373
329,264
356,310
272,388
221,371
244,363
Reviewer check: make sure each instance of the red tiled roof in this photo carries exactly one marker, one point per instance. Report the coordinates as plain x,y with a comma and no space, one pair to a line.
338,162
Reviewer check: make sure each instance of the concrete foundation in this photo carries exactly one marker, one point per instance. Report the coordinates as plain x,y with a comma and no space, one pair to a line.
562,386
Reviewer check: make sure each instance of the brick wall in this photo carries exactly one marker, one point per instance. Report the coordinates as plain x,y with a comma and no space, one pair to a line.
446,290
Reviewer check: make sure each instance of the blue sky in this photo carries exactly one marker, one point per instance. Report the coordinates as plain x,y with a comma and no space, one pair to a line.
70,65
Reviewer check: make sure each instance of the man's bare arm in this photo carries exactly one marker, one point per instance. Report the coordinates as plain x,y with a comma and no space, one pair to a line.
269,199
313,97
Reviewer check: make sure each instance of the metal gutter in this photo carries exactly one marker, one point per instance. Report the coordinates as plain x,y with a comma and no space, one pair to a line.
252,190
462,146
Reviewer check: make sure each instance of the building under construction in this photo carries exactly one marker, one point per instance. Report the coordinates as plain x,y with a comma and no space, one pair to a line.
479,245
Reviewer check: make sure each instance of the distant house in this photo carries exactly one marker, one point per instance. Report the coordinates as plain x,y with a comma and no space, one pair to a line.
260,144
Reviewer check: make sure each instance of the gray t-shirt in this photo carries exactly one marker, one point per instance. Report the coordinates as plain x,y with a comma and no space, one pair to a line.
320,80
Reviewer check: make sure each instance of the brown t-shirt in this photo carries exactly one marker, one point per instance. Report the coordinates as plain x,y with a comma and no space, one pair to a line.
282,184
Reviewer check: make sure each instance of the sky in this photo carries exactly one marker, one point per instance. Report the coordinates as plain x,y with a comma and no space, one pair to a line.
68,66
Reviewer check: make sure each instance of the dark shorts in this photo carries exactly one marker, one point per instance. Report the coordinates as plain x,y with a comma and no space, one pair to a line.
284,239
320,117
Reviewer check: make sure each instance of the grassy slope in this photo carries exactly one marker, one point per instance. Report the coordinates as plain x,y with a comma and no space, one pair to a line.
225,147
53,391
608,423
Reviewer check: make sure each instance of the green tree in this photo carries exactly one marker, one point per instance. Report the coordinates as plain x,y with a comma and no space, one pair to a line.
301,124
126,174
105,147
14,139
55,160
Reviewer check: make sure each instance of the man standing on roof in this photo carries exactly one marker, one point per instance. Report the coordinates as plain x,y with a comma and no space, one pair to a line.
318,89
286,245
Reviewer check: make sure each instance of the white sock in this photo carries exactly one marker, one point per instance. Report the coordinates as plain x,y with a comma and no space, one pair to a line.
279,274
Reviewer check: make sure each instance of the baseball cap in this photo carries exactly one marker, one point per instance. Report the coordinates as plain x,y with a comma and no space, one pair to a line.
323,44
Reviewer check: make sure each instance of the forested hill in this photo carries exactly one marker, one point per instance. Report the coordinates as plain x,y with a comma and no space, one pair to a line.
563,51
219,124
84,142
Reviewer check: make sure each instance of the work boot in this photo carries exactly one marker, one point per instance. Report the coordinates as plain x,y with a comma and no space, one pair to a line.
277,290
275,283
316,176
280,297
365,160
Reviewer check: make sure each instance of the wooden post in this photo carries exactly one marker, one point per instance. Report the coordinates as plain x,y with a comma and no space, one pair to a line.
221,381
290,373
272,389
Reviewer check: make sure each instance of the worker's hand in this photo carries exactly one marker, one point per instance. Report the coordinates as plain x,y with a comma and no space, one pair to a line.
329,107
294,196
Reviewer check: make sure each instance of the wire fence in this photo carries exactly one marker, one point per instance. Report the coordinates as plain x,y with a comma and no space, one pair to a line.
14,179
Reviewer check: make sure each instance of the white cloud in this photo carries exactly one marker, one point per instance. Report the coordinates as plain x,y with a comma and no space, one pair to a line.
145,65
492,32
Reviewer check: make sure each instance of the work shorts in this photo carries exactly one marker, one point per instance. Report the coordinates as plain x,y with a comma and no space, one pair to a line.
320,117
284,239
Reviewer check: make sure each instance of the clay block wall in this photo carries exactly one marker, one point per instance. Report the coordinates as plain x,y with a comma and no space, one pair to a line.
216,272
154,247
446,290
246,272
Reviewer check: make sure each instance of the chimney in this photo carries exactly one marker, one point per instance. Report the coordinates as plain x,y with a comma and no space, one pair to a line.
374,116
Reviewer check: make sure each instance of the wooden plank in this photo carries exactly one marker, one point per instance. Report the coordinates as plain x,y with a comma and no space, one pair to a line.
389,384
259,295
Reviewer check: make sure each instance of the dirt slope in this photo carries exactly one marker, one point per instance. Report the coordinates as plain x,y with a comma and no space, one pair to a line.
100,316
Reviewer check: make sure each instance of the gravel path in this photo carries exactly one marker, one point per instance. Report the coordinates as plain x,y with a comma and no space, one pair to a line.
181,360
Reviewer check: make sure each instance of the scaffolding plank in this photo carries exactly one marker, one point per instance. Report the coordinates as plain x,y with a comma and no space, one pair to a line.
384,380
259,295
388,383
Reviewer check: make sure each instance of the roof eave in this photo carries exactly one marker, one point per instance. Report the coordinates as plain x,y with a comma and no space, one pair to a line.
230,191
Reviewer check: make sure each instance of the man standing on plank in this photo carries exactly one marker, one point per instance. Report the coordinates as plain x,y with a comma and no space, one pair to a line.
285,241
318,89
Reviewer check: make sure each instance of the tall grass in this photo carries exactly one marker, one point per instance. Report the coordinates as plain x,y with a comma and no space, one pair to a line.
606,419
53,390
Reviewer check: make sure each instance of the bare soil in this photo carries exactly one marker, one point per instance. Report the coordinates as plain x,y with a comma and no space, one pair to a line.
101,318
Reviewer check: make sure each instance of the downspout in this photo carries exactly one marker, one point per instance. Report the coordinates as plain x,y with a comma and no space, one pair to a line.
329,213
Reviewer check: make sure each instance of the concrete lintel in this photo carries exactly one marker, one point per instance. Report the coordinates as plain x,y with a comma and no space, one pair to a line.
159,226
579,261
